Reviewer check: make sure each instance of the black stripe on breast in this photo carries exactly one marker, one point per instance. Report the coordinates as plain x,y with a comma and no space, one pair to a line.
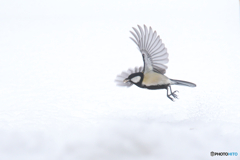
156,87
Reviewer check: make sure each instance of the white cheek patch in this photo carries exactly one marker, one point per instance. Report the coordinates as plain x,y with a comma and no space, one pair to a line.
136,79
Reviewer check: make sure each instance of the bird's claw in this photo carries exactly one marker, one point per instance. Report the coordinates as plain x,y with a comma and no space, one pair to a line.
170,98
174,96
176,91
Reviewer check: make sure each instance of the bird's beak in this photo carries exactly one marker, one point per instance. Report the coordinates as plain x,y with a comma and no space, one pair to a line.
126,80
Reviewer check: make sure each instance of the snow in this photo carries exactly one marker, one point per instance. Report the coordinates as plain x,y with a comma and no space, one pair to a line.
58,62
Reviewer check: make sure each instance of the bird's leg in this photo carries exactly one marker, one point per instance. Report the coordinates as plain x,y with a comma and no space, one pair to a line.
169,96
173,93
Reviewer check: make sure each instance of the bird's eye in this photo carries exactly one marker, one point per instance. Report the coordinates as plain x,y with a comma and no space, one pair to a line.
136,79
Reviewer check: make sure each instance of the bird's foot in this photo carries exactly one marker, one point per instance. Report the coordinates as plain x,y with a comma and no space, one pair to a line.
175,95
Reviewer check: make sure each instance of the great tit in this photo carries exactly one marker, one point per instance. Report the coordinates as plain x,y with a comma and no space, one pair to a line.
155,57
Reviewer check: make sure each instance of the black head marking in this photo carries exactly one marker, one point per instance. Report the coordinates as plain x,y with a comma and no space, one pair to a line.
130,77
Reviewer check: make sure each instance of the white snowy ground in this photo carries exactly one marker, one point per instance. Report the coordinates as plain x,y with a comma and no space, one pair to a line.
58,62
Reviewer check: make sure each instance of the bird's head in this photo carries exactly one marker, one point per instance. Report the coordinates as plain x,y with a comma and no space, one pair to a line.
130,77
135,78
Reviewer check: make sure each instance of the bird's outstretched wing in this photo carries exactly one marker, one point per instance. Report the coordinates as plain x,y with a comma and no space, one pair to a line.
154,53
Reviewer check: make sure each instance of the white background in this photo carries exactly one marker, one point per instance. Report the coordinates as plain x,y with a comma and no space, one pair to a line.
58,62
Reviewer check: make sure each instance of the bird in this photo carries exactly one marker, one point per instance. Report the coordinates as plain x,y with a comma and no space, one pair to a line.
155,57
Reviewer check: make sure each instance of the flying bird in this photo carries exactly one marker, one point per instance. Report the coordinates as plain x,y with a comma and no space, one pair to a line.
155,57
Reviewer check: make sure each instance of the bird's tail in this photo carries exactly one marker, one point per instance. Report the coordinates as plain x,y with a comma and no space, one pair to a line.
182,83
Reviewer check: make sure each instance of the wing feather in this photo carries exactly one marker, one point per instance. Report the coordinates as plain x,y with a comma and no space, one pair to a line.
146,36
135,36
154,53
133,40
137,33
157,45
136,69
142,35
160,51
153,41
150,37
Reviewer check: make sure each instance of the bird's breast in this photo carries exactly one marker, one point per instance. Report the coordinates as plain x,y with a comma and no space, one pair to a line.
153,78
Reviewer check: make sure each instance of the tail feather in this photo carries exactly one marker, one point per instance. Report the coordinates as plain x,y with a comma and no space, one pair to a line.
182,83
